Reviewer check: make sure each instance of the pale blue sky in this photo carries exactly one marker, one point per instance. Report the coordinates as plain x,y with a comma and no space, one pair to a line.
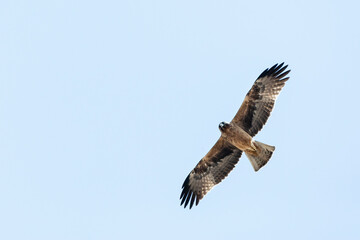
106,106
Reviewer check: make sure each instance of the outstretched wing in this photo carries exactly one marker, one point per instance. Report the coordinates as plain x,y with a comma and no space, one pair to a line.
211,170
260,100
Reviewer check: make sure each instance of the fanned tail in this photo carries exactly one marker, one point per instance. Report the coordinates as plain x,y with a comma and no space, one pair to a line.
262,155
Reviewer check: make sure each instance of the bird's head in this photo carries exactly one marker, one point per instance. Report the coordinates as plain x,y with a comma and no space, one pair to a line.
223,126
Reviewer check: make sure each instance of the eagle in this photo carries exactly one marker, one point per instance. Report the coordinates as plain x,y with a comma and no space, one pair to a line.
237,137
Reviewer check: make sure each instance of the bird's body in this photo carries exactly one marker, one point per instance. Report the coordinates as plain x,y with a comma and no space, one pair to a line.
237,137
257,152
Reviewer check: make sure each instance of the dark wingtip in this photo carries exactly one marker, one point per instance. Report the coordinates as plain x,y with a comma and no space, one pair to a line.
187,196
283,74
192,200
185,190
263,73
275,71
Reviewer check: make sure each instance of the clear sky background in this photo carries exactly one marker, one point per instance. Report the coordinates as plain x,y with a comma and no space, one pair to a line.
106,106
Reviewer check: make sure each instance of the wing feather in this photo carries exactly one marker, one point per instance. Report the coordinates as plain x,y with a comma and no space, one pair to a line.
260,100
211,170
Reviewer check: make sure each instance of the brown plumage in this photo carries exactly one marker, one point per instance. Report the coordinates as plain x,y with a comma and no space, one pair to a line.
236,137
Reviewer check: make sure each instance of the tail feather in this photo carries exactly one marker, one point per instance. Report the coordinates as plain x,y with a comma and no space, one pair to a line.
261,156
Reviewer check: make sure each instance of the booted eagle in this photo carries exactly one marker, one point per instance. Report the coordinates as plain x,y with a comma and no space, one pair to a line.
237,137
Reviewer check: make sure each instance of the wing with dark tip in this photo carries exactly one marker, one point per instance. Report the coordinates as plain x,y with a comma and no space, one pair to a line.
211,170
260,100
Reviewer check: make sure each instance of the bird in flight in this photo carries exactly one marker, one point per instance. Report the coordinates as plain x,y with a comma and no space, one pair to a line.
237,137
